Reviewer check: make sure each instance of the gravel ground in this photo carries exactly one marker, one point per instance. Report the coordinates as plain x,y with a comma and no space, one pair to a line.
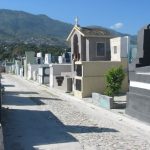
93,128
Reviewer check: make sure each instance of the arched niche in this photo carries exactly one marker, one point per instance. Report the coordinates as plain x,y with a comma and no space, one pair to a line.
76,55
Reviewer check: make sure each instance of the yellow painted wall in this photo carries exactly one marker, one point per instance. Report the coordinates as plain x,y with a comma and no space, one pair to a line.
93,79
101,67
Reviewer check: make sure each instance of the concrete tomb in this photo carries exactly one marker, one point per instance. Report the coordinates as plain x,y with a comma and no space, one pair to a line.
63,82
119,48
66,57
48,59
39,59
29,59
35,75
17,67
144,44
94,51
60,59
31,69
43,75
59,74
138,97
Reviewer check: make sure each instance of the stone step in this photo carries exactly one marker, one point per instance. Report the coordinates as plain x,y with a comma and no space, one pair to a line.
143,62
140,76
138,106
143,69
140,65
139,91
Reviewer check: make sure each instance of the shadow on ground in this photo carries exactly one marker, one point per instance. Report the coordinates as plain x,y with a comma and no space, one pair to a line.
26,127
9,85
14,98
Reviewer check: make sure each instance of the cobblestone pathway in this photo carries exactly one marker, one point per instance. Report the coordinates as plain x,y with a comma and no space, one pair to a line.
68,122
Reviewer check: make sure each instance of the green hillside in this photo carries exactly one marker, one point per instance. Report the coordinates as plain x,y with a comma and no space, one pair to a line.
23,27
18,26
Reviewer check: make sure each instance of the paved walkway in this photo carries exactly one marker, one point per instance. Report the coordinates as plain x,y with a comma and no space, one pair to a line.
34,118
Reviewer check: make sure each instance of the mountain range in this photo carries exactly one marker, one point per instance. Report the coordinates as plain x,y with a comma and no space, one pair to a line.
19,26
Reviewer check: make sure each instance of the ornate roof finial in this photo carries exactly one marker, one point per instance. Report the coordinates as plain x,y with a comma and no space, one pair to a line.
76,21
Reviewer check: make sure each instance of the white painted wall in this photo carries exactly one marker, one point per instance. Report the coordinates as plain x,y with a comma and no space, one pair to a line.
35,77
30,59
122,44
17,67
32,68
57,69
40,71
41,78
21,72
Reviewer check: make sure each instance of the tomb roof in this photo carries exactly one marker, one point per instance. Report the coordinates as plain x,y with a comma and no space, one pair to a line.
91,32
95,31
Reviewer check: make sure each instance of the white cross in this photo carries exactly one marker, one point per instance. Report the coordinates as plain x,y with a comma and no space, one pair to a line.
76,21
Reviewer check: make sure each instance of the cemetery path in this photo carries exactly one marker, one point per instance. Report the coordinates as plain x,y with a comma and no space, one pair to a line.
33,118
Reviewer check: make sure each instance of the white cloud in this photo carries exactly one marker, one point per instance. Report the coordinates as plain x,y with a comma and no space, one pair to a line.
117,26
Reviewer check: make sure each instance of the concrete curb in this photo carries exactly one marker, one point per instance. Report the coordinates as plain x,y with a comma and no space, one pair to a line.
66,96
